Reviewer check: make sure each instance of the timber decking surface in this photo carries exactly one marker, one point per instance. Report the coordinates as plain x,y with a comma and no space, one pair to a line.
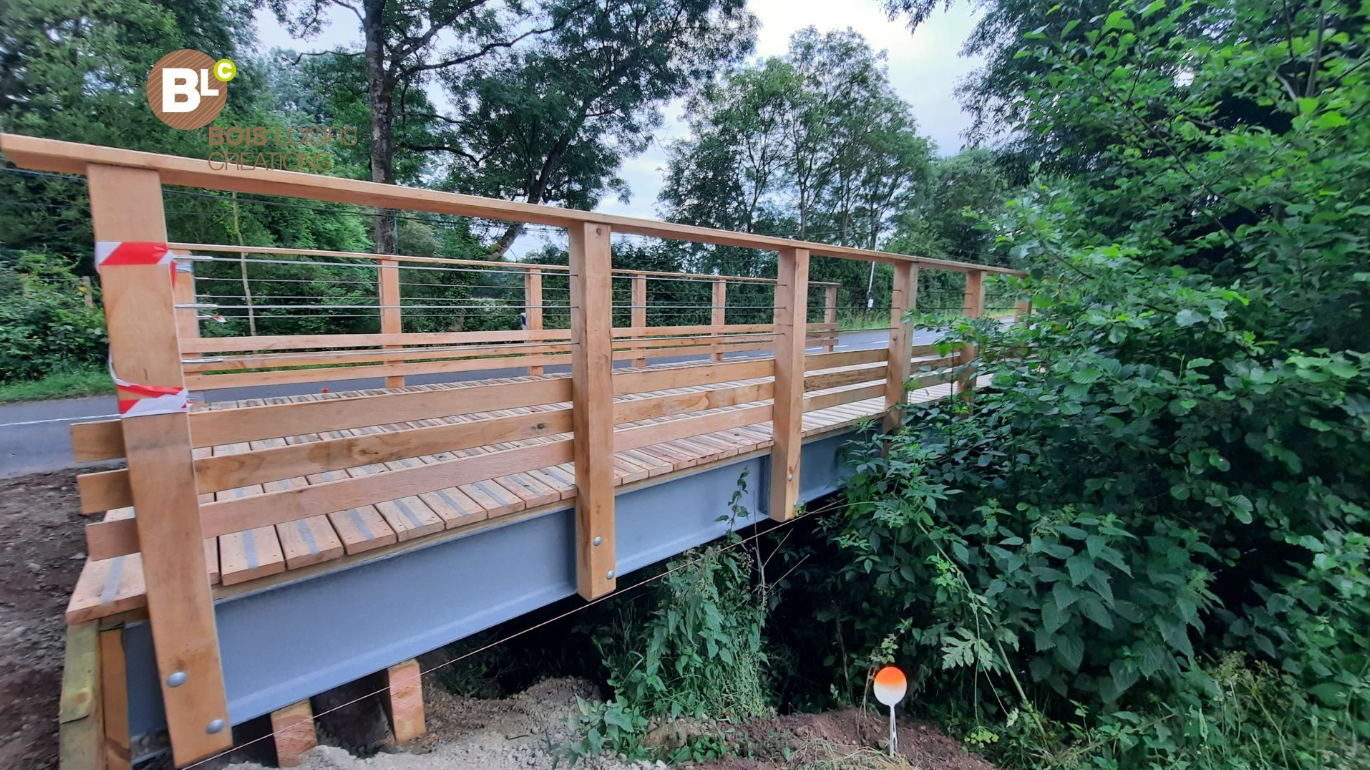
113,586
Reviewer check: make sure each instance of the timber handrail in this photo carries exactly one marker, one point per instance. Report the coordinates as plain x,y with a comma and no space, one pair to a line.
73,158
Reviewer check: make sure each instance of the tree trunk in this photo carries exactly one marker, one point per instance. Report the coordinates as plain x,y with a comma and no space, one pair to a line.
380,93
511,234
538,186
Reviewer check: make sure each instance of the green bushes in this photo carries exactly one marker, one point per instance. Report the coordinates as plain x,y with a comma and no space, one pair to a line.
1146,545
1140,496
45,326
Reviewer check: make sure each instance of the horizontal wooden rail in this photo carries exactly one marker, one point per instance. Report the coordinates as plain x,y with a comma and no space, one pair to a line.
202,345
106,490
719,408
104,440
108,539
646,435
74,158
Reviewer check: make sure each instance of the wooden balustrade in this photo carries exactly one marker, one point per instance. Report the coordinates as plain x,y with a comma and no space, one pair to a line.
411,462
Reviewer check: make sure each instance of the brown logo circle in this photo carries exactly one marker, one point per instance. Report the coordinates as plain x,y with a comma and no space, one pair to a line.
182,90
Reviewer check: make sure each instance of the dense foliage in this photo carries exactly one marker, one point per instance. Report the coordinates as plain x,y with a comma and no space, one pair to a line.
1145,545
45,325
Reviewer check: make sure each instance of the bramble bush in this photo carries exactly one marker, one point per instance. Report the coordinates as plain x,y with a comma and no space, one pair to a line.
45,326
1145,546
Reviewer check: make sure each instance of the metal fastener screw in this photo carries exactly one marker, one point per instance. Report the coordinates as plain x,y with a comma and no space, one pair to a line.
610,575
176,679
791,477
215,726
599,540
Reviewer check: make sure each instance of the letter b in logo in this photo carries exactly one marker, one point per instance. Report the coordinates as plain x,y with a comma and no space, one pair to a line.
182,89
182,92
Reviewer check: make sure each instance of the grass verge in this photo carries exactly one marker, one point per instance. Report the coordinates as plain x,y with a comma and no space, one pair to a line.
71,383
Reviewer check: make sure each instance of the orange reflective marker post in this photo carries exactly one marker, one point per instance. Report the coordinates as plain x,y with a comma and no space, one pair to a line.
890,686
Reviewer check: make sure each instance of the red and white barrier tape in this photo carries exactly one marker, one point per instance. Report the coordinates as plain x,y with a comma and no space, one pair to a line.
157,399
119,253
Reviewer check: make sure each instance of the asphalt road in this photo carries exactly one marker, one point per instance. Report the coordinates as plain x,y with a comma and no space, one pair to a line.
35,437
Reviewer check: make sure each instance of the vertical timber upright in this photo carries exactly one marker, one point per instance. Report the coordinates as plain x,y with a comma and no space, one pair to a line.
126,207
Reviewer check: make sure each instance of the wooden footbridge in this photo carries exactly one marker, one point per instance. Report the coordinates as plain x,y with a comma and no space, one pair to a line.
253,553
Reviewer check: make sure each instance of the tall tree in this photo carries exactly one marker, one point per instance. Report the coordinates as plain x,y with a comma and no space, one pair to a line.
735,159
404,41
552,123
815,145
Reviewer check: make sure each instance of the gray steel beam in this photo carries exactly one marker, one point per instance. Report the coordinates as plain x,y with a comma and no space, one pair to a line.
291,641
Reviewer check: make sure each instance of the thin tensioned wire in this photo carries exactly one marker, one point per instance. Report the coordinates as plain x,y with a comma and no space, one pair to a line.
400,352
376,307
361,265
515,635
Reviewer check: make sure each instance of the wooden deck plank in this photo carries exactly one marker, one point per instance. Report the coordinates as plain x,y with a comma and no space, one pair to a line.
309,541
361,529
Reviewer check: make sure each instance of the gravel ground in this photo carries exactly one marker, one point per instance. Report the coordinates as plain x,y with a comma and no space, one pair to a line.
525,732
521,732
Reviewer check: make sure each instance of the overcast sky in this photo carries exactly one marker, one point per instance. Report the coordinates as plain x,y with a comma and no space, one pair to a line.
924,67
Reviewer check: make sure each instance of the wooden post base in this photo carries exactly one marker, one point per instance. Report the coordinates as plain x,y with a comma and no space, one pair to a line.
293,728
404,701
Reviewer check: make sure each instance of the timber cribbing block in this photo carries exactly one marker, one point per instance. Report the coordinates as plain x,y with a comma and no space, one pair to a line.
118,750
293,728
80,720
404,700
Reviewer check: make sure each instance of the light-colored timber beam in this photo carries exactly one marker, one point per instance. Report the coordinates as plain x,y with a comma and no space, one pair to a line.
73,158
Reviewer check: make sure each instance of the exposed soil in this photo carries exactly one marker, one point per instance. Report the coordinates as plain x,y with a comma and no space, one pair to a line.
848,740
43,549
522,732
528,731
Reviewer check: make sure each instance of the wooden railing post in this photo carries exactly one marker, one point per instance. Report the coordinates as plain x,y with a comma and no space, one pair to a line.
391,320
1021,310
791,313
718,316
532,300
903,298
126,207
638,314
183,293
592,406
830,316
974,308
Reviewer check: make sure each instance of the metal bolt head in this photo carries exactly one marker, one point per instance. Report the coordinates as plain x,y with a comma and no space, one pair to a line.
215,727
790,477
599,540
610,575
176,679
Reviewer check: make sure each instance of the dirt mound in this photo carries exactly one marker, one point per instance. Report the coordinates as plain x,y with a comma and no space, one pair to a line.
848,740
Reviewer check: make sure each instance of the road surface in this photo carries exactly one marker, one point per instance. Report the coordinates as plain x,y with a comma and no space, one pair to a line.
35,436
